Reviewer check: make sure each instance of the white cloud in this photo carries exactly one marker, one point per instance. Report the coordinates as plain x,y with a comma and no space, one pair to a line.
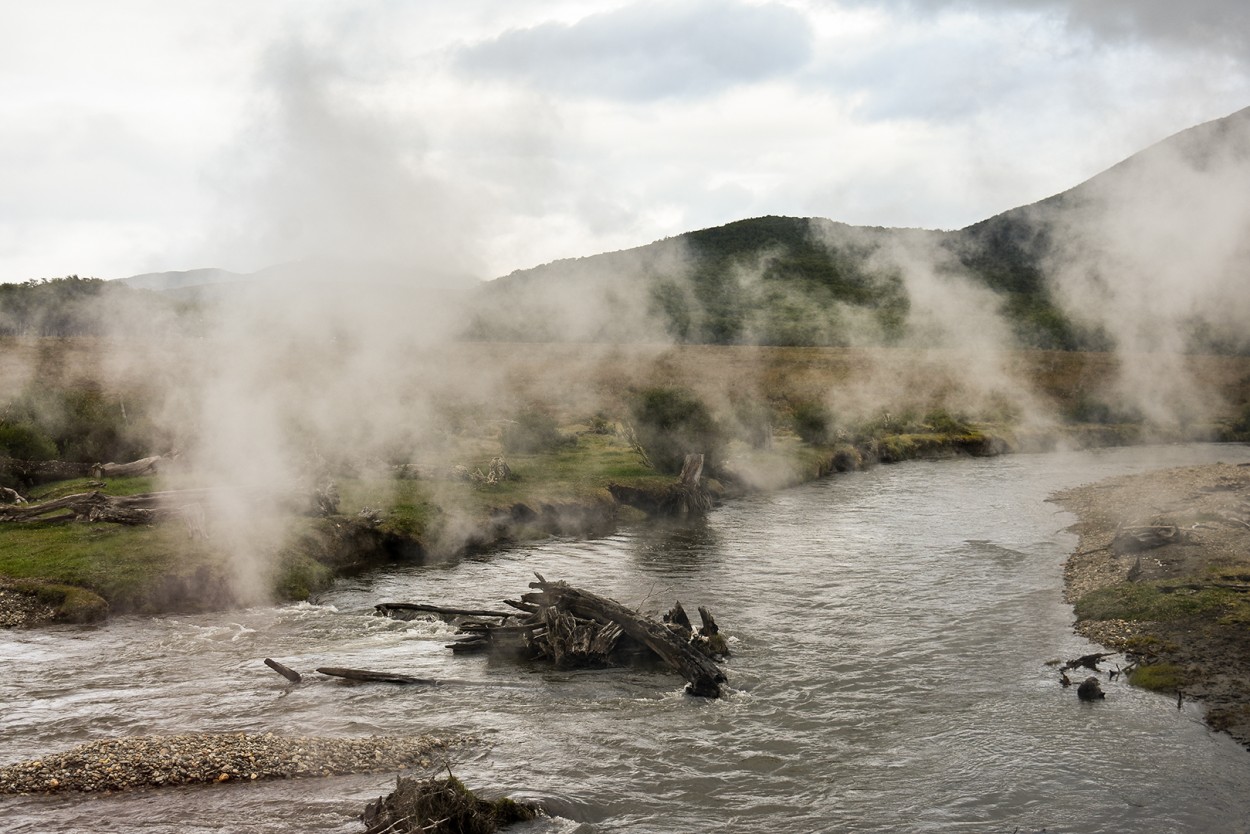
234,134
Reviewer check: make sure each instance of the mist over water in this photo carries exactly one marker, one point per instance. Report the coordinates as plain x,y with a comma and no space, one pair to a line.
889,630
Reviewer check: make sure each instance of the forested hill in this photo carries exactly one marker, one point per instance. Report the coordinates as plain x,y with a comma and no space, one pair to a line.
812,281
74,306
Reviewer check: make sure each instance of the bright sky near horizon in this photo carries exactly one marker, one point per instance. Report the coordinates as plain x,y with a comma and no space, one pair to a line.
482,136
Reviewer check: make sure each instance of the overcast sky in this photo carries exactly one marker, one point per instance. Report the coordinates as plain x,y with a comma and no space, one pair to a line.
482,136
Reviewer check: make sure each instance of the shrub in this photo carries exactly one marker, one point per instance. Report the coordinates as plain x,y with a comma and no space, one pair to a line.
85,424
532,432
670,423
813,422
25,442
755,422
942,421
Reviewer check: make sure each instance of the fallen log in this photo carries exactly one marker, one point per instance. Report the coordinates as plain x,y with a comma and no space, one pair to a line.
411,610
34,472
146,508
143,466
1088,661
1136,538
373,677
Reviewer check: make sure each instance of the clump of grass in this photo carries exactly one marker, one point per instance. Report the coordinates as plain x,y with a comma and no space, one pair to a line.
1150,601
72,604
1158,677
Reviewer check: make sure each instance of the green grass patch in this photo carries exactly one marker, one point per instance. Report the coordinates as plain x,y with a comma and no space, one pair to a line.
1158,677
1152,602
123,564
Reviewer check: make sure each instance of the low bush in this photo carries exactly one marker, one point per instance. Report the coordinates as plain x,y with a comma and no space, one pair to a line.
812,422
670,423
25,442
532,432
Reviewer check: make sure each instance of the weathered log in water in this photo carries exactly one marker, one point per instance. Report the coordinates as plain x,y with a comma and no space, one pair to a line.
413,610
373,677
285,671
576,628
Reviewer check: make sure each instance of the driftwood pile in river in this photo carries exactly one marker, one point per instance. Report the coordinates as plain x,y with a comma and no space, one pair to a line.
574,628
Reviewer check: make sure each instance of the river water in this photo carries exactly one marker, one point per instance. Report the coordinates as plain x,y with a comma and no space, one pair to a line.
889,631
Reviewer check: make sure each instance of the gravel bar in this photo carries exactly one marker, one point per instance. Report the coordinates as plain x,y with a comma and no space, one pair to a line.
151,761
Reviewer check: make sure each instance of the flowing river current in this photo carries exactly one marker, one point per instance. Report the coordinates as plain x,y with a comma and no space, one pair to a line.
890,630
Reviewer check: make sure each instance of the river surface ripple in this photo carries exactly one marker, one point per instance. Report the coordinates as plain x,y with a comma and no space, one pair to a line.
889,631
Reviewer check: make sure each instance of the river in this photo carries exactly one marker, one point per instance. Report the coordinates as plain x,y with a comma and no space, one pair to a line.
890,630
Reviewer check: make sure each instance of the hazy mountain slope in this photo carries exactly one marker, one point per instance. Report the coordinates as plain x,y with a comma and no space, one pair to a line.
163,281
1149,254
1159,238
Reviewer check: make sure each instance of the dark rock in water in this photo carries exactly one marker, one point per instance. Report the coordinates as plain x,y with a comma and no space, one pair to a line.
437,806
1089,690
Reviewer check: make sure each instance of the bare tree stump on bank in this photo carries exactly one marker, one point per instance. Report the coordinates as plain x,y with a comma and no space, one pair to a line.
686,498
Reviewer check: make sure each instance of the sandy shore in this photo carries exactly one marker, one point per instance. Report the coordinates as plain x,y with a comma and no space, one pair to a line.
1182,608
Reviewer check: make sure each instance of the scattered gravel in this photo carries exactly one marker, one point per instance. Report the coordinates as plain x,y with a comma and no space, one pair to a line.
19,609
150,761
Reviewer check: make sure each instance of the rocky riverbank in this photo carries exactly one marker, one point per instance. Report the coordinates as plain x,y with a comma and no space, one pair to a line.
21,608
1180,607
199,758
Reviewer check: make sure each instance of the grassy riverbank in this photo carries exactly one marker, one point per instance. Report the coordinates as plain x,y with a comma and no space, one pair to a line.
88,569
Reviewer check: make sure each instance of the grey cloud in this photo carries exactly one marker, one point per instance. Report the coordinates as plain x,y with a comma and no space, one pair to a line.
1210,25
935,79
649,50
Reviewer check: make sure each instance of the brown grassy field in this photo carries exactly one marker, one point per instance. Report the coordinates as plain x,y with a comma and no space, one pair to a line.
484,381
330,408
